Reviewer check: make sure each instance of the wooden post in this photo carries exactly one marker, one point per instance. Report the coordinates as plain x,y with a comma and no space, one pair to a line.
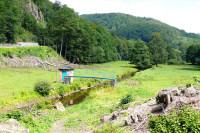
113,82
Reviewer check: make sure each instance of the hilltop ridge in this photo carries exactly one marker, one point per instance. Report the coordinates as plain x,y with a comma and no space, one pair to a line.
132,27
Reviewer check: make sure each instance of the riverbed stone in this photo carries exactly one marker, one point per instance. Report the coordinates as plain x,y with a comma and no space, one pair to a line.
59,106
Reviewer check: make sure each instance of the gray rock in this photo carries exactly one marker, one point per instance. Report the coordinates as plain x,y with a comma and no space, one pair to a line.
59,106
164,97
134,119
140,118
175,91
127,122
106,118
114,115
34,10
190,92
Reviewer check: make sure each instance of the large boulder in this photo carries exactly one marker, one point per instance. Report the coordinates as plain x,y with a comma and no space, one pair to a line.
164,97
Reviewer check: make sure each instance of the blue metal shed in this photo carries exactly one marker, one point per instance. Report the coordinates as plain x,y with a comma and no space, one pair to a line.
66,71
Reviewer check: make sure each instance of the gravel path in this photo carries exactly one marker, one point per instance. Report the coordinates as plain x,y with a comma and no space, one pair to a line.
58,127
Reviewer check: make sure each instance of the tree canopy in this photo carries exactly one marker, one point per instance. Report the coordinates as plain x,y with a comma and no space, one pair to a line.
77,40
158,50
81,41
140,55
193,54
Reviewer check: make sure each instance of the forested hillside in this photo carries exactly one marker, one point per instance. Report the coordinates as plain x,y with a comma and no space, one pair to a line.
81,41
131,27
57,26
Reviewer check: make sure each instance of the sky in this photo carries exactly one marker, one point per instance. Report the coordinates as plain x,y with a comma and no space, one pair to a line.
183,14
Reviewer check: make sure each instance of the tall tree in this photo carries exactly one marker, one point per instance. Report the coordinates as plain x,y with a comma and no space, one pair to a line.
158,50
174,55
193,54
140,55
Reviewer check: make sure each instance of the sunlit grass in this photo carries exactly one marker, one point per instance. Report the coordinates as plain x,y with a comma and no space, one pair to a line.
143,86
17,84
102,101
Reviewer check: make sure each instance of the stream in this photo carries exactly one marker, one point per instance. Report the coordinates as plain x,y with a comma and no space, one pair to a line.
78,96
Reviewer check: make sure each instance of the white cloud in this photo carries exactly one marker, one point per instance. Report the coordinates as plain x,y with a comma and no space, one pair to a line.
182,14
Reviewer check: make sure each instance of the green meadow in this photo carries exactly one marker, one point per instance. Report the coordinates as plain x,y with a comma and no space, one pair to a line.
17,84
144,85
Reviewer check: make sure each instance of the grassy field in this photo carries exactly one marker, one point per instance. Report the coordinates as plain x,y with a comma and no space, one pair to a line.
16,84
144,85
109,70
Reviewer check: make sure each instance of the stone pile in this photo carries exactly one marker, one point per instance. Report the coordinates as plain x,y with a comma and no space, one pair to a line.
32,61
136,118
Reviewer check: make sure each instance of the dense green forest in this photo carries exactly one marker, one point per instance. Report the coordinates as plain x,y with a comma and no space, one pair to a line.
131,27
59,27
111,37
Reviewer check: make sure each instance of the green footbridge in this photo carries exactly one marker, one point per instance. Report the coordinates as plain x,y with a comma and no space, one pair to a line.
113,79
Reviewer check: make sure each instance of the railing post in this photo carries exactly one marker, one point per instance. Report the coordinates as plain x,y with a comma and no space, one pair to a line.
113,82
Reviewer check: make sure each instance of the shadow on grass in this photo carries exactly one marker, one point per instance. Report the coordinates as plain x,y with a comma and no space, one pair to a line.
128,66
191,68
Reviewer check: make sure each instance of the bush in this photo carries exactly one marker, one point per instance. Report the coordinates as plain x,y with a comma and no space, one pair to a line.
127,99
61,91
43,88
17,115
75,86
186,120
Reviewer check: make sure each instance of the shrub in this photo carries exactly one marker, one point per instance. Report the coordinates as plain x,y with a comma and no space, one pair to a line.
89,84
75,86
127,99
17,115
186,120
61,91
43,88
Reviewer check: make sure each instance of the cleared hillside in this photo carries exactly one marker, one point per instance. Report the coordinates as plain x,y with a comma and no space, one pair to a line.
41,56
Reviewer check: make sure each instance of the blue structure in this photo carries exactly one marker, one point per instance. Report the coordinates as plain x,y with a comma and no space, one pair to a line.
66,71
